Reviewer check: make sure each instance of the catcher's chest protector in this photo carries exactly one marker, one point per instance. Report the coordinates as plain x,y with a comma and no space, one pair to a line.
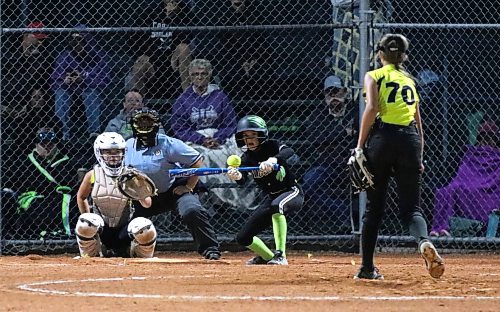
113,207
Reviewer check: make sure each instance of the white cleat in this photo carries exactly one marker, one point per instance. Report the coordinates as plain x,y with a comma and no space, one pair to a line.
434,263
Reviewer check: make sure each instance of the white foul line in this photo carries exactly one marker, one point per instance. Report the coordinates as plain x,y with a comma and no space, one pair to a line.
33,288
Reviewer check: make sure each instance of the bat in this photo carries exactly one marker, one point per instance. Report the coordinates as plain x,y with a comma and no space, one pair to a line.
189,172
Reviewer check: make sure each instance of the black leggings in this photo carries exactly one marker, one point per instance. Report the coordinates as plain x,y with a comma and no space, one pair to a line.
393,150
261,218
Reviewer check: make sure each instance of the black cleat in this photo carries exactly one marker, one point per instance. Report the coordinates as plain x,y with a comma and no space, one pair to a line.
369,274
258,260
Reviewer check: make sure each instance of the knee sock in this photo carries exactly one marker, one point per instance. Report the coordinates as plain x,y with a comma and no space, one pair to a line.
279,230
260,248
418,228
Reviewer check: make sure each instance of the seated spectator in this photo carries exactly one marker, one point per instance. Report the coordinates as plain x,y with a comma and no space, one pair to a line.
26,98
81,71
204,117
45,182
161,66
326,184
121,123
462,207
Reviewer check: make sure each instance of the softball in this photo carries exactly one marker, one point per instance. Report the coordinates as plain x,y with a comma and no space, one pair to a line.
234,161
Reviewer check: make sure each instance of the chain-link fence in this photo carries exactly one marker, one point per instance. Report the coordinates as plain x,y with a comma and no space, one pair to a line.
67,68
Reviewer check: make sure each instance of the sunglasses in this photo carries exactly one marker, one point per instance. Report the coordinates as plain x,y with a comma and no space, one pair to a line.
202,74
46,137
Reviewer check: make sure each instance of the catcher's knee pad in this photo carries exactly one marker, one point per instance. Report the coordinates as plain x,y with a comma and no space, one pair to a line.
142,230
89,225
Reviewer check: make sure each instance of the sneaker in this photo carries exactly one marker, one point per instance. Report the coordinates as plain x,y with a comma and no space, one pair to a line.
278,259
433,262
256,261
369,274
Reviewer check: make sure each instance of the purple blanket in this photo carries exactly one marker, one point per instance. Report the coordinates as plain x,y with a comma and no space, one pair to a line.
474,192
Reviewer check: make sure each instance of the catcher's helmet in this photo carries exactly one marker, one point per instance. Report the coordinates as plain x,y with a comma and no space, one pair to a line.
145,124
110,141
251,123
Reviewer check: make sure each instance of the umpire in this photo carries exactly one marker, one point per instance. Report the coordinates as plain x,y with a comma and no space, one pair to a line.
154,154
391,132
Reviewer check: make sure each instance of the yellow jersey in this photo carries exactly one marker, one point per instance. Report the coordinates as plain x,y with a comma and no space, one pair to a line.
397,95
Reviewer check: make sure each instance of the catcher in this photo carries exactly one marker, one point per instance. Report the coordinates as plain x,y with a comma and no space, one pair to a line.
109,230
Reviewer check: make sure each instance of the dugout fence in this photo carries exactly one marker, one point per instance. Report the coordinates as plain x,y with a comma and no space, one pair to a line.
271,58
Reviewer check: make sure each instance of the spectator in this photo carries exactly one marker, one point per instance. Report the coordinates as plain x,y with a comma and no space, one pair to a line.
474,192
243,54
204,116
45,182
326,184
26,76
80,71
161,66
25,105
120,124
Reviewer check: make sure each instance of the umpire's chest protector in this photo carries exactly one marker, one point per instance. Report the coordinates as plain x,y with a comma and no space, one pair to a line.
109,203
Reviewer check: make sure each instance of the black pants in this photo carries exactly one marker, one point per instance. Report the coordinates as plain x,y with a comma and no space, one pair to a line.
393,150
192,213
261,218
116,240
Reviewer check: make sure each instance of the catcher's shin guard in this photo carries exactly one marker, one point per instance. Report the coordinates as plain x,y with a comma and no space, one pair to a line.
87,231
143,233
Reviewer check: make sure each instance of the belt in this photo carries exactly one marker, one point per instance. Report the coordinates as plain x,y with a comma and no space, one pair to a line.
379,124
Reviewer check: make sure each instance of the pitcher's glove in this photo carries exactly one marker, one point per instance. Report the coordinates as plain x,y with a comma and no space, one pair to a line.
135,185
361,178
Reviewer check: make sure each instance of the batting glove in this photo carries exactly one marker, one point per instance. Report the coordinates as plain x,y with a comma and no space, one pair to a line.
267,166
234,174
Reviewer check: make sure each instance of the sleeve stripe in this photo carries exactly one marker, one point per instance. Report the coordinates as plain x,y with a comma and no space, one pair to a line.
200,156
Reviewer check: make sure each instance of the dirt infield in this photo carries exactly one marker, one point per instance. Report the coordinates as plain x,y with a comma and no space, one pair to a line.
184,282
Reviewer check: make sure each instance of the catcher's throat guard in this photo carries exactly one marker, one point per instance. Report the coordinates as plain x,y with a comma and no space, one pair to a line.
135,185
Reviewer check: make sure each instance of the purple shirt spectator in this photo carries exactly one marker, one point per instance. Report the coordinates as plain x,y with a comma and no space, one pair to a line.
473,193
81,70
192,112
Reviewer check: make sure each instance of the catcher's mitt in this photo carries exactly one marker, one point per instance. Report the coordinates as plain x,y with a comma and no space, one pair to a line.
361,178
135,184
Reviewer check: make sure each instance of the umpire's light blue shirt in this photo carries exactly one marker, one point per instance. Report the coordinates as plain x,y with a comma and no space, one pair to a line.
155,161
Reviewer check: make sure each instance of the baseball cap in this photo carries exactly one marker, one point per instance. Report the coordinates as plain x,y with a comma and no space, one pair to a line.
427,76
332,82
38,25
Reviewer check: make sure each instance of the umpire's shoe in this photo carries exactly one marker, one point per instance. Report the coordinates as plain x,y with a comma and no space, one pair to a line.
434,263
212,253
278,259
372,274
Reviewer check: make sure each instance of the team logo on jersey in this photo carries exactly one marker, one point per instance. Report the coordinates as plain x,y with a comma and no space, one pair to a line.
257,174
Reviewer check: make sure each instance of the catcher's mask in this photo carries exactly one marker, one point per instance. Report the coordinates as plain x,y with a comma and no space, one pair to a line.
145,123
109,149
251,123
